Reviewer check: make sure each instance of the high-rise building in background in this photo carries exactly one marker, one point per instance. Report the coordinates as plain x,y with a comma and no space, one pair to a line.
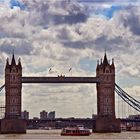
51,115
43,115
25,115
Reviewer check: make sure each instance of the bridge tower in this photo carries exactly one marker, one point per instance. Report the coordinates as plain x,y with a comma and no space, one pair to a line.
106,120
12,122
13,85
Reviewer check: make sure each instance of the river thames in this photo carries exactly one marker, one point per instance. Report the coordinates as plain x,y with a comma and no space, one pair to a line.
55,135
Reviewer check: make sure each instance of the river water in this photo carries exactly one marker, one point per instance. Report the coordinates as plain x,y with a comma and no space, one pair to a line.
55,135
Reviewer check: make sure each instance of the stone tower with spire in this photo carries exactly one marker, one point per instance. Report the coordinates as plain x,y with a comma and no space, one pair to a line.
12,123
106,119
13,85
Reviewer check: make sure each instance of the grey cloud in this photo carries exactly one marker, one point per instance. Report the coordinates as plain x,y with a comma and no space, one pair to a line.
103,42
100,43
13,34
11,25
21,47
130,18
71,13
75,18
77,44
109,1
97,1
61,19
133,23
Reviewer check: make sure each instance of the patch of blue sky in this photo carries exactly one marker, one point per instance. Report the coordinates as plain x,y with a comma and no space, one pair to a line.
1,1
108,12
127,81
88,64
17,3
108,1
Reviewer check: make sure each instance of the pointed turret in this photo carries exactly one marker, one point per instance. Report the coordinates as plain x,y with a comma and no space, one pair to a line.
19,63
105,61
7,63
101,62
112,65
97,68
13,62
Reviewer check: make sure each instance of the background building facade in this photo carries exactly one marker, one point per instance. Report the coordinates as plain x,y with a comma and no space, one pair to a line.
25,115
43,115
51,115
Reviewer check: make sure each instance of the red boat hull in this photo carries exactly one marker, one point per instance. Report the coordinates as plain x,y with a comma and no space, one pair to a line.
75,134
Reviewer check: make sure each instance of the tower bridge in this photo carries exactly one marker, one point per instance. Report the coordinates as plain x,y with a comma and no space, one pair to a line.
105,84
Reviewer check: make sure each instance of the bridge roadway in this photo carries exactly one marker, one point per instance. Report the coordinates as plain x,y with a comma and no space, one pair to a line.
60,122
64,122
87,120
60,79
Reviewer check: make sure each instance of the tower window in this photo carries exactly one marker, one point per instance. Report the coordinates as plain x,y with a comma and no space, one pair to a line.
14,69
107,71
13,78
13,100
13,110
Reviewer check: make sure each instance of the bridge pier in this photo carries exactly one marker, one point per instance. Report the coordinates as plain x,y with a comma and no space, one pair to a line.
11,126
106,125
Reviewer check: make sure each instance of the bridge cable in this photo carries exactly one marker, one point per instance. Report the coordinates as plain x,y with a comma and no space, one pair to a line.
127,100
131,100
2,87
126,93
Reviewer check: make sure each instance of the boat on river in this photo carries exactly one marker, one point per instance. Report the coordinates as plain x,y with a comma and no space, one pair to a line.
75,131
133,128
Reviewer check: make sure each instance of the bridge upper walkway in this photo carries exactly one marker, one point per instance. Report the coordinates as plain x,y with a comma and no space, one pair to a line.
60,79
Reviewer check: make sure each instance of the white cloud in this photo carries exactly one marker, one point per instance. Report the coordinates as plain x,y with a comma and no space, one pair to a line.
53,35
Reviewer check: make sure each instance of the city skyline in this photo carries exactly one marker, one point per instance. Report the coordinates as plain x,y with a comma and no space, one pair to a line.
60,35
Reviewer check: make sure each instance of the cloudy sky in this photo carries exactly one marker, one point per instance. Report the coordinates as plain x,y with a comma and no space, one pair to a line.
64,34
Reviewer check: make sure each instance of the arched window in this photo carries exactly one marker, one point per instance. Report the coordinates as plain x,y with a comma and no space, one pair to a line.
14,70
107,71
107,78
